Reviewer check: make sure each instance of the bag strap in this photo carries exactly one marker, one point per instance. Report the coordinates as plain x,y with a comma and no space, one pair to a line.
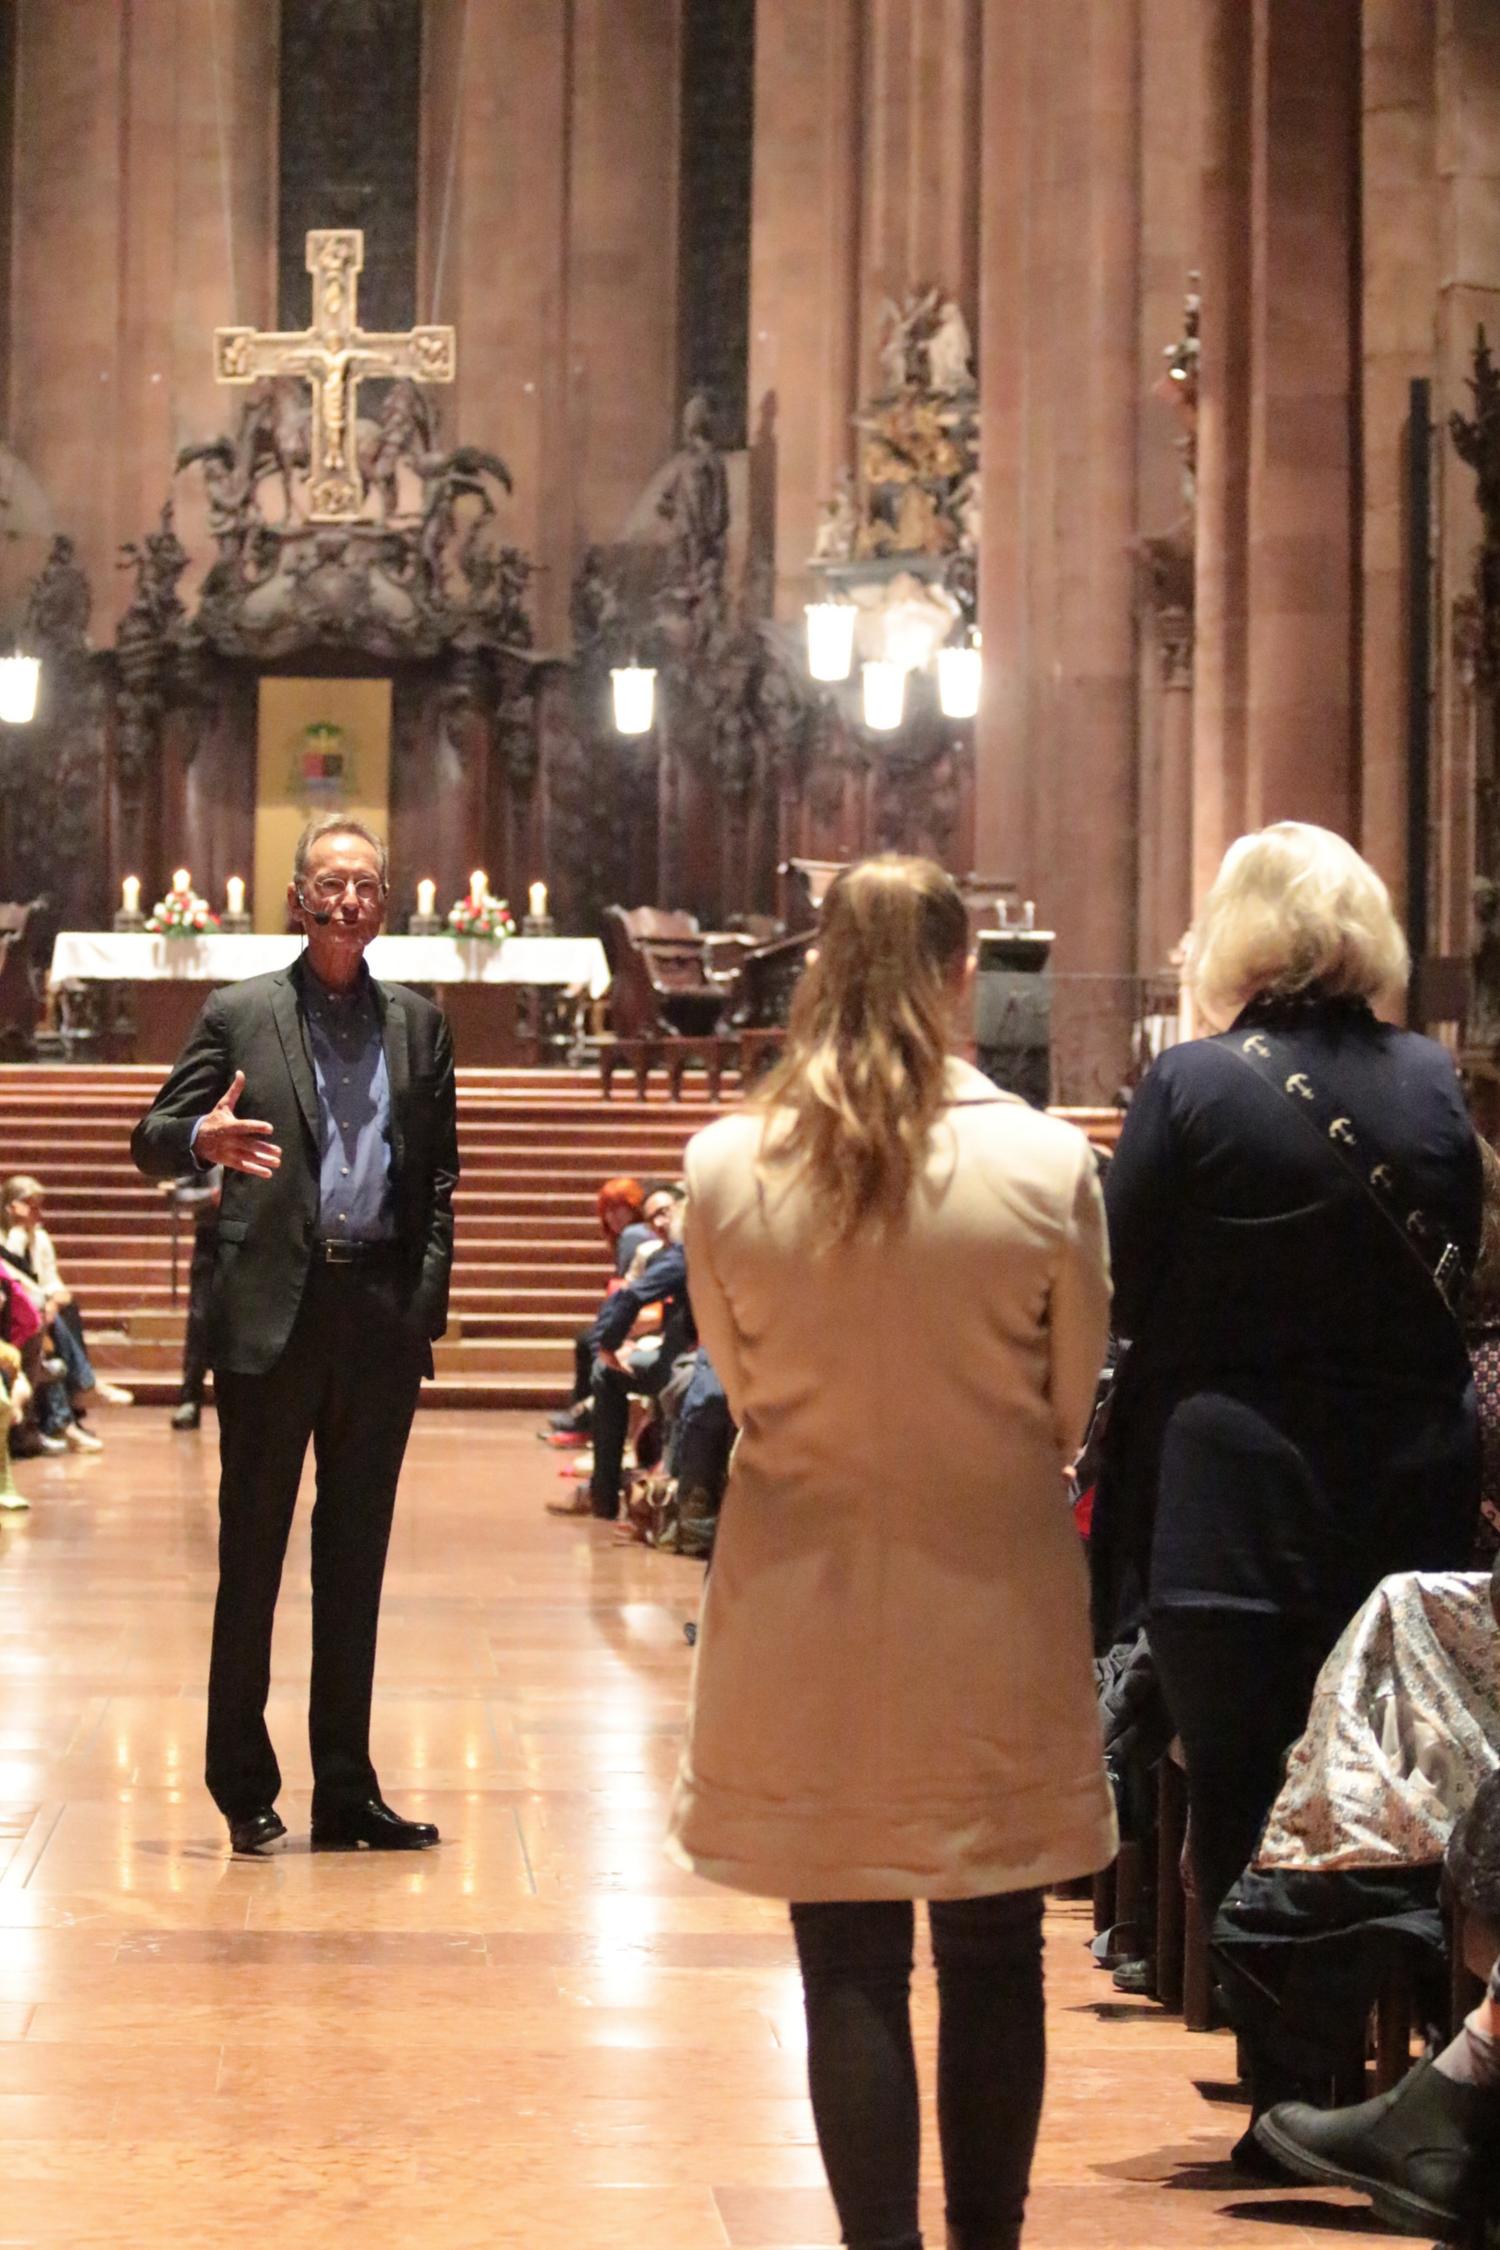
1357,1155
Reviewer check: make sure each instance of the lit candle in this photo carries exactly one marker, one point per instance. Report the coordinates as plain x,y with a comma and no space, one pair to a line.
427,898
234,894
182,880
538,897
130,894
479,884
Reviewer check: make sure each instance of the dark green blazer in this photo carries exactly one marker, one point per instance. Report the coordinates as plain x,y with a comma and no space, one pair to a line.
267,1227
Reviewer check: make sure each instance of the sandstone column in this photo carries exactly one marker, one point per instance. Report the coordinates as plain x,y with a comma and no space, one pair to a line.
1221,624
1016,294
494,262
123,242
1090,771
1301,700
1468,160
804,306
1170,219
1399,228
622,256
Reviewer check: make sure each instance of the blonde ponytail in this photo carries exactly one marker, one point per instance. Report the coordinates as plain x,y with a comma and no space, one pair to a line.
852,1103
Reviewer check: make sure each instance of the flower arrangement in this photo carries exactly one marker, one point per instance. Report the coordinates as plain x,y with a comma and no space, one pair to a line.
182,913
479,914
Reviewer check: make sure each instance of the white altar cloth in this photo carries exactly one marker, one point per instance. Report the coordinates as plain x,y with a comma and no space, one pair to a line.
130,957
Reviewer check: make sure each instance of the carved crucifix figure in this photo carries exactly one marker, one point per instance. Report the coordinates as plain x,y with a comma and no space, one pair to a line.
335,355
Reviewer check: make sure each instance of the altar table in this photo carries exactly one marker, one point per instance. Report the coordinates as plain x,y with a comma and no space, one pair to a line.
160,983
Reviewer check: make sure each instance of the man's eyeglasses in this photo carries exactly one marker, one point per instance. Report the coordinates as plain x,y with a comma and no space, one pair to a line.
328,890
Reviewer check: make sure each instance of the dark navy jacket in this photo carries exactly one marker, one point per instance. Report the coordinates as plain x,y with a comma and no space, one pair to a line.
663,1283
1295,1414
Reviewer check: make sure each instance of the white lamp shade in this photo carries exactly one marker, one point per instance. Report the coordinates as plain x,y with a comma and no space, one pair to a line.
885,696
635,697
960,673
19,676
830,639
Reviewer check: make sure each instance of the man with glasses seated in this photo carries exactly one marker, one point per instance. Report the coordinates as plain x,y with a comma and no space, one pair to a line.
329,1100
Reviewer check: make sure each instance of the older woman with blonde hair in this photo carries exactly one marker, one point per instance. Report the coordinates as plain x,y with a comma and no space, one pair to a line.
899,1273
1293,1208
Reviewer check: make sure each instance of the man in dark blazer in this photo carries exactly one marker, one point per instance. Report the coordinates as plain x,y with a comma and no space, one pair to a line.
329,1100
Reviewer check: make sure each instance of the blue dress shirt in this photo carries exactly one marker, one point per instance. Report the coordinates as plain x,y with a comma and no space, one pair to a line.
354,1108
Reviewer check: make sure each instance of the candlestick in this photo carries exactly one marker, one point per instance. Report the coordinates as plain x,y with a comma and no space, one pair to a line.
182,880
426,898
234,894
538,897
479,884
130,895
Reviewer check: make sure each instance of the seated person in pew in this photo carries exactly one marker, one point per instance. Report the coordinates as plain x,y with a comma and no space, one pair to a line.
1342,1891
637,1224
1425,2152
643,1373
15,1399
678,1511
48,1423
27,1240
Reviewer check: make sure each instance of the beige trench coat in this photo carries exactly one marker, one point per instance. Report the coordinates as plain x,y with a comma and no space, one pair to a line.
893,1695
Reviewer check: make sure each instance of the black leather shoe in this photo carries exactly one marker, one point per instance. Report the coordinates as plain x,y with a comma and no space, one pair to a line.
1419,2152
257,1835
187,1417
374,1825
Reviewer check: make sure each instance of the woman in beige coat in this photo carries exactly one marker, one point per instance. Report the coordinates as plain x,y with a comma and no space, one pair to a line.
900,1275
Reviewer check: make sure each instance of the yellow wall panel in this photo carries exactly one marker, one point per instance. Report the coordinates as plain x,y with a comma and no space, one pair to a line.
322,746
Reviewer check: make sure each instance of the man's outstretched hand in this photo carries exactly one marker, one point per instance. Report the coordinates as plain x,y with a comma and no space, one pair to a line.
244,1144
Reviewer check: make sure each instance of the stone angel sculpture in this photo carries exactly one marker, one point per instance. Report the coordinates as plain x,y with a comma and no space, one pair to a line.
949,350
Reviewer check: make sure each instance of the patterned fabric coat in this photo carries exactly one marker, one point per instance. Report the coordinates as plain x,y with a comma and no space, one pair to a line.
1405,1724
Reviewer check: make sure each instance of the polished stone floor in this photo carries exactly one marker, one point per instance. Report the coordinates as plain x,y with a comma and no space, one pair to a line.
540,2034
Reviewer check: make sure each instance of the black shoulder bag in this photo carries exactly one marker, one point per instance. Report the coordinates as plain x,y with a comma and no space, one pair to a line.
1349,1145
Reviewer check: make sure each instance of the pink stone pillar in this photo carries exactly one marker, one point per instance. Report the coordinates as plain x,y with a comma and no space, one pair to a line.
1399,237
1218,811
1016,399
1089,894
804,296
1301,687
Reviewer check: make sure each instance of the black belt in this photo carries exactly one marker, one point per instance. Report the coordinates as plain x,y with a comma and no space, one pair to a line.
335,1253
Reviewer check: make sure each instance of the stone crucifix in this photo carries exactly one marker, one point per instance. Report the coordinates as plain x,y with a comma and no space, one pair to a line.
334,355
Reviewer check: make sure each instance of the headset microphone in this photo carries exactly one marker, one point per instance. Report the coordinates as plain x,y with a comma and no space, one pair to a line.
320,918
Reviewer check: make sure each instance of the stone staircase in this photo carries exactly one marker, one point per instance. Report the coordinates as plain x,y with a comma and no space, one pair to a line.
530,1266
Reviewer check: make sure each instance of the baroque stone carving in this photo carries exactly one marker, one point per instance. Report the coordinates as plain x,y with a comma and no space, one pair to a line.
693,501
916,504
51,778
924,344
59,606
1476,438
1482,1018
919,463
1168,580
1178,386
429,569
143,646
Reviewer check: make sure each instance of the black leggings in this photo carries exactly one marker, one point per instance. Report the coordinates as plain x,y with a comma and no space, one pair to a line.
856,1976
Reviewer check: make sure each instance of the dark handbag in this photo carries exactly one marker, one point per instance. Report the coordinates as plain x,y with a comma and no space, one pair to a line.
1350,1145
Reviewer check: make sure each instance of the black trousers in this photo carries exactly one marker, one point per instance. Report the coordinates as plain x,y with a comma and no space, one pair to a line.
856,1974
612,1394
348,1380
200,1286
1238,1684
